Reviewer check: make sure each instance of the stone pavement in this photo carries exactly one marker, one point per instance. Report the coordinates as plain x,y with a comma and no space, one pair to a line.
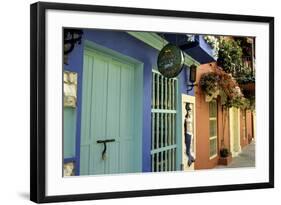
245,159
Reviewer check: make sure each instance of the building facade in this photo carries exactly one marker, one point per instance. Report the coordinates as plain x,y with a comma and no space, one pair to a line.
218,127
126,117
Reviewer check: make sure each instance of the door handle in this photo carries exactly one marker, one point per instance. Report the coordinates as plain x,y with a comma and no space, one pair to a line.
104,146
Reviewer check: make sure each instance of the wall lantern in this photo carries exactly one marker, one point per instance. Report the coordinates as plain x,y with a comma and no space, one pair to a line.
192,77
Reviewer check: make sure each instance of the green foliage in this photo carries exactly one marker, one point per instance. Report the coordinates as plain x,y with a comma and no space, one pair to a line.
232,74
238,102
230,59
230,56
245,77
251,103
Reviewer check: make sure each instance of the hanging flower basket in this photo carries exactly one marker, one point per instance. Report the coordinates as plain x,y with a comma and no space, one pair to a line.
209,83
221,83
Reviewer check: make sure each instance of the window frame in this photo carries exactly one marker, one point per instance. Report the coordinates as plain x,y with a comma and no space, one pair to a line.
213,136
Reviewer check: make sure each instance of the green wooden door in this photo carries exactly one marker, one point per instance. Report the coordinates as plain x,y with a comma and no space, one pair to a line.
107,113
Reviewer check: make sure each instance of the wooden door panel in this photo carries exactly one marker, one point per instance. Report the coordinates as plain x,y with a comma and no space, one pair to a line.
86,102
126,156
99,96
113,158
85,159
107,113
113,101
127,103
97,164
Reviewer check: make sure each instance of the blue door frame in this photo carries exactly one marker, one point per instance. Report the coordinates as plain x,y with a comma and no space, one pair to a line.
139,105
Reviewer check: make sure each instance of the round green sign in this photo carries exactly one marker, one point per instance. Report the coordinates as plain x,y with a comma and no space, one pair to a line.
170,61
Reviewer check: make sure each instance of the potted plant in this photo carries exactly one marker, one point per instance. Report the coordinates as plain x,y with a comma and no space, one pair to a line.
225,156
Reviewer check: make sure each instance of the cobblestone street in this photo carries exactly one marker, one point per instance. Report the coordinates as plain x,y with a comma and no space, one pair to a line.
245,159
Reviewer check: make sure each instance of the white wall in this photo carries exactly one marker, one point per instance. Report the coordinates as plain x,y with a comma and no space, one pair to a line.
14,103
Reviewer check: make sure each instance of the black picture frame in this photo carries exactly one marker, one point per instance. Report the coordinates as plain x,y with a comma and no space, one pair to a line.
38,101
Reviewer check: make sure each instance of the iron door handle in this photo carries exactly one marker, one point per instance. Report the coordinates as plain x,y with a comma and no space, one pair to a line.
104,146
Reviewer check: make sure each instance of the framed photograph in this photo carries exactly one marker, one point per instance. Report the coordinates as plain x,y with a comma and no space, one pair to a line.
129,102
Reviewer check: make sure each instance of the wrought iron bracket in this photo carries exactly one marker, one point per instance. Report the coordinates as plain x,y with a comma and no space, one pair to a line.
191,86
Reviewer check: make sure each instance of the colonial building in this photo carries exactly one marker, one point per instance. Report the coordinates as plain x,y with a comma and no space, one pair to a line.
220,127
121,115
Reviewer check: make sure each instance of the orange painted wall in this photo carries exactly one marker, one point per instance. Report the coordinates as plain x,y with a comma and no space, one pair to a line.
202,125
203,160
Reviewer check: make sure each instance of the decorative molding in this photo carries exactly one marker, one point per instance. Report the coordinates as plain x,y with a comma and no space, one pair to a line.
70,88
157,42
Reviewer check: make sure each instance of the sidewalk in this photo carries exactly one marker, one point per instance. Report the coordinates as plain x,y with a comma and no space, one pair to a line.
245,159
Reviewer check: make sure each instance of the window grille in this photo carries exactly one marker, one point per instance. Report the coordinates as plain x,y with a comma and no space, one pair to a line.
163,113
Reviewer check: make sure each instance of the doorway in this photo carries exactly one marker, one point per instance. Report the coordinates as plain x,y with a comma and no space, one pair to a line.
111,114
190,100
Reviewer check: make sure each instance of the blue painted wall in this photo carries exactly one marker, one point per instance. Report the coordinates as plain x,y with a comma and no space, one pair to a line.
183,78
203,52
130,46
75,64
